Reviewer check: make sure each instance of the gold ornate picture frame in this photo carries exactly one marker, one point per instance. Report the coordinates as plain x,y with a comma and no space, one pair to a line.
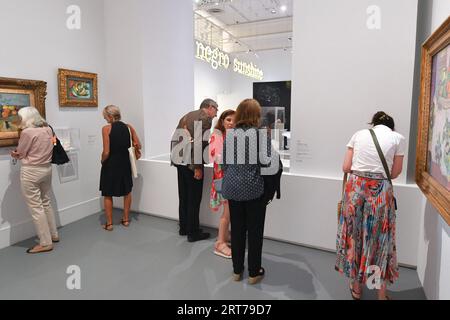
433,142
77,88
14,95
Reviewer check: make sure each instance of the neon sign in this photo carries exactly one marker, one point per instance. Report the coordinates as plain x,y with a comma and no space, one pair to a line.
248,69
219,59
215,57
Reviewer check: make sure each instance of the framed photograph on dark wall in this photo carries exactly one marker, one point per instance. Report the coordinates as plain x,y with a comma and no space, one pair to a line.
433,143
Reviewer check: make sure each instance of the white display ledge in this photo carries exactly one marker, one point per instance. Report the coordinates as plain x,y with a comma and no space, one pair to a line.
306,214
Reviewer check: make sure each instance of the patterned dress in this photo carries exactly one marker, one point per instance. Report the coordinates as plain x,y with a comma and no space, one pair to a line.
366,229
215,154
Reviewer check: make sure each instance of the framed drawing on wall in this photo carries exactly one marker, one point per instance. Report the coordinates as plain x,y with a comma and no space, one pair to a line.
77,89
433,144
14,95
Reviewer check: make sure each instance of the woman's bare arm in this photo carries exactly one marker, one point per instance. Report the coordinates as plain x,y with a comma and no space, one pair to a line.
106,130
397,167
347,166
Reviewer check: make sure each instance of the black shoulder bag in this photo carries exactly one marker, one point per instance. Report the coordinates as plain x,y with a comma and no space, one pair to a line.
383,161
272,183
59,156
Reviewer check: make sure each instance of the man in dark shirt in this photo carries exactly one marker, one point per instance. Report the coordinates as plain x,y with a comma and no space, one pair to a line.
187,155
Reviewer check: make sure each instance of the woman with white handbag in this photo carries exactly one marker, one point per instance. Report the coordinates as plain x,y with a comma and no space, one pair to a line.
121,149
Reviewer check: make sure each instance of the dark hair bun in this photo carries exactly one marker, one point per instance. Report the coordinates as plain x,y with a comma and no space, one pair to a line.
382,118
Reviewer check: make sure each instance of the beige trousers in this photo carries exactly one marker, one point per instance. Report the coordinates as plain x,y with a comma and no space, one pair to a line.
36,184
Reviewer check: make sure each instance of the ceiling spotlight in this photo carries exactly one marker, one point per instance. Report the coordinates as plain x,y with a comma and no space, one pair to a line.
273,11
283,8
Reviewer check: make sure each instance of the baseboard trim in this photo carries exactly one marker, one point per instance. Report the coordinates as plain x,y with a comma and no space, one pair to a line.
12,234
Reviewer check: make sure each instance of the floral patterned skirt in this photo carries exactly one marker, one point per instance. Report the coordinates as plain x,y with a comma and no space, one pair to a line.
366,229
216,198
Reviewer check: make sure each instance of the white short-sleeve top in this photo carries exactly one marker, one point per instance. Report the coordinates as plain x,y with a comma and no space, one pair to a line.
365,155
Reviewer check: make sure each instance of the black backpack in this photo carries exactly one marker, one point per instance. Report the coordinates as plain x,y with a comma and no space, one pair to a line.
272,185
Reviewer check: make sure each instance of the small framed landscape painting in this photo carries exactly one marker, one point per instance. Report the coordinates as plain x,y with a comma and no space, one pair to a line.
14,95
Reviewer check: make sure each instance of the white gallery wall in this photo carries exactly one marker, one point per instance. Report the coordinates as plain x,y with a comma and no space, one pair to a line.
210,83
150,66
124,60
433,264
37,43
343,72
168,69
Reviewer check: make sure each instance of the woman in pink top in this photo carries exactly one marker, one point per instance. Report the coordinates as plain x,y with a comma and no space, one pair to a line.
226,121
35,149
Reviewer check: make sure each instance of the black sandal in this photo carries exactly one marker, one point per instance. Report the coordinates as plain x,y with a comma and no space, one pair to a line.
125,223
107,227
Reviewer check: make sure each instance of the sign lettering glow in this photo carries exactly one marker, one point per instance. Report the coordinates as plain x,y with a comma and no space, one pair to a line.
219,59
215,57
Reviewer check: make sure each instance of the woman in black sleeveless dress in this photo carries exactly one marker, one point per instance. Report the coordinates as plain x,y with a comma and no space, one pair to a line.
116,177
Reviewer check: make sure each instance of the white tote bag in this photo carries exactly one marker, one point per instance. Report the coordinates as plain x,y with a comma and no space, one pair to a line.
133,160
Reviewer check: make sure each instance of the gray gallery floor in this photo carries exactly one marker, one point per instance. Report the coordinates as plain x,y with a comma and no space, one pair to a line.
150,260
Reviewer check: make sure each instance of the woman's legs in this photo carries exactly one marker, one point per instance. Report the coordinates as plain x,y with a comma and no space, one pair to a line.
31,178
256,214
126,209
238,234
46,187
108,203
223,236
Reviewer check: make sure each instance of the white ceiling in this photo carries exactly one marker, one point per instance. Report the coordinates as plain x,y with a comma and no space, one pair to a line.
243,25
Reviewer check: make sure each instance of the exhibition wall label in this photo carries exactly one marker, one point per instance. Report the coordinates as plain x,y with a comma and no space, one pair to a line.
220,59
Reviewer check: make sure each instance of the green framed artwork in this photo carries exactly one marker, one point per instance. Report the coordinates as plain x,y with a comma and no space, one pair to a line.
77,89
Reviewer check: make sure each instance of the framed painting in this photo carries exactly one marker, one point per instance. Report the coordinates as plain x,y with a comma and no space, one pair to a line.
433,145
14,95
77,89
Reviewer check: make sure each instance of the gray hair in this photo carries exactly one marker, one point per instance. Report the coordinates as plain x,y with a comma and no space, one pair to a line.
31,118
113,111
207,103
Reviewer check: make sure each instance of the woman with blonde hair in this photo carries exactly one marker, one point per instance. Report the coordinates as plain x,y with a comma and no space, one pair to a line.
116,179
35,150
217,201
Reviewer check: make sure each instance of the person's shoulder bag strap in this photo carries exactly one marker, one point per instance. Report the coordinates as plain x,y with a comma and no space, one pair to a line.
344,182
380,153
341,202
383,161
